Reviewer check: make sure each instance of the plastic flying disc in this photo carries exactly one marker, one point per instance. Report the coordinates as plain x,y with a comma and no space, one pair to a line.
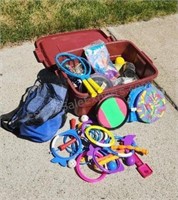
151,105
112,112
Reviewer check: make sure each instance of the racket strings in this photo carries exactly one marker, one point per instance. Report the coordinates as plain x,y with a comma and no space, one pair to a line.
78,68
75,65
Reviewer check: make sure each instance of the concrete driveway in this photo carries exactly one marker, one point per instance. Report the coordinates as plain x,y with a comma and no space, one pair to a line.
26,171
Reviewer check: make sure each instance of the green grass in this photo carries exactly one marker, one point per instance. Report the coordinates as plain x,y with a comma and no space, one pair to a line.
22,20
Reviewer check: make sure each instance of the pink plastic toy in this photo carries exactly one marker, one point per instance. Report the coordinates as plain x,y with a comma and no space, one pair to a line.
143,168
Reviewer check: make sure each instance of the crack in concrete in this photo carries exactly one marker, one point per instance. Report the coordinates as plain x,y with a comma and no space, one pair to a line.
166,95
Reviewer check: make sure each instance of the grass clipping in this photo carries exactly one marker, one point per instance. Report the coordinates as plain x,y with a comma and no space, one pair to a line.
22,20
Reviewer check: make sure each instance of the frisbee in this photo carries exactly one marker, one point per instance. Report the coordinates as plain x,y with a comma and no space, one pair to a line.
150,105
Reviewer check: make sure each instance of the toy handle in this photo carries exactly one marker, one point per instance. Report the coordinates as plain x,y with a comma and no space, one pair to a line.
95,85
64,146
89,88
141,150
138,149
72,123
105,159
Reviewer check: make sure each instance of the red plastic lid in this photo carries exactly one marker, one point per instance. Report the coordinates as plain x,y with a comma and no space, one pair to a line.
47,47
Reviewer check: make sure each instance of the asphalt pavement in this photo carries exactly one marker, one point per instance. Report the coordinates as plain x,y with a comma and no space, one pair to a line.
26,171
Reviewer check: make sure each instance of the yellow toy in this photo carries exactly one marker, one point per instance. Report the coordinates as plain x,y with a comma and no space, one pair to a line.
129,147
119,62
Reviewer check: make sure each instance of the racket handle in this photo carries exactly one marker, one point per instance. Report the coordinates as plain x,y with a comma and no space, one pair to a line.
89,88
95,85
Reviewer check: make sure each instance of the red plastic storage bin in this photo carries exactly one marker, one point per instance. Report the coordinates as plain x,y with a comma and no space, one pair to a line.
73,42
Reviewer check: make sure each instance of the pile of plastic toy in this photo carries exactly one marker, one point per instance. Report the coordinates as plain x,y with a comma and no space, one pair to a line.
86,144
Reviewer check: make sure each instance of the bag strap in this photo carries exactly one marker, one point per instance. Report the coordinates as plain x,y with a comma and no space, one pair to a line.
5,118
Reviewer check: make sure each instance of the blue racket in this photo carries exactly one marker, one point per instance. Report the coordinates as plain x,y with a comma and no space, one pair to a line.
62,60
